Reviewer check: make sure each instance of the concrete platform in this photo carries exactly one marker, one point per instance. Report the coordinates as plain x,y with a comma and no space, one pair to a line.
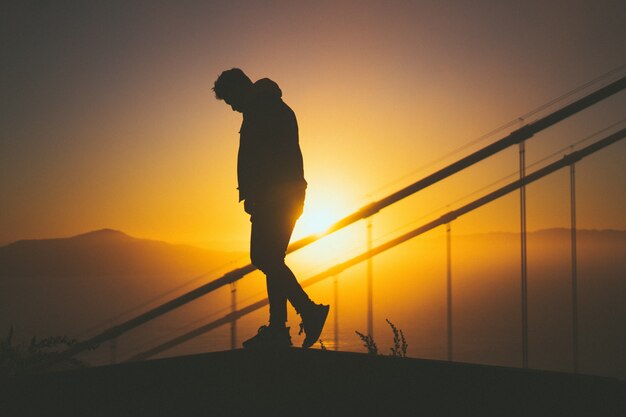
299,382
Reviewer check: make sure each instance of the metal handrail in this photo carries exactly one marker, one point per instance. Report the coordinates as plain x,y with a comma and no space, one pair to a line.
515,137
444,219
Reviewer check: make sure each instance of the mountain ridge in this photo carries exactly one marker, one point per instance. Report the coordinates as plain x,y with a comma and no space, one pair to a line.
63,285
105,252
105,234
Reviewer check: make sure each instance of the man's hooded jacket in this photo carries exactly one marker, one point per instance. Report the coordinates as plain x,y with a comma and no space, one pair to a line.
269,161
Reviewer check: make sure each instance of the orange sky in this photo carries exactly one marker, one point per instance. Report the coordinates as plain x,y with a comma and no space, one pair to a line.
107,118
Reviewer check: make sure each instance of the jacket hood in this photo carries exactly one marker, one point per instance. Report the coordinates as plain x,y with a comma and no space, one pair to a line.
266,88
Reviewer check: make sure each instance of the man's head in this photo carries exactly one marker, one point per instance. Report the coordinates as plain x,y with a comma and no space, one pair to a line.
233,86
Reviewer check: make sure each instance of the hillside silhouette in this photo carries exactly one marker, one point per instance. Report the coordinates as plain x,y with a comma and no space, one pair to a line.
65,285
104,252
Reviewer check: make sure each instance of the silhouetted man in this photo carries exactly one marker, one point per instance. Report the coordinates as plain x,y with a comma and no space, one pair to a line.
272,186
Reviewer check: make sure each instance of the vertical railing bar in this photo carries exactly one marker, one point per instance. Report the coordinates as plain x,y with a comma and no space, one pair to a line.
336,309
449,286
524,289
370,282
233,310
574,270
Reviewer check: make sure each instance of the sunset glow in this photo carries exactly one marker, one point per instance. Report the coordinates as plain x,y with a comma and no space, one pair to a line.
119,177
123,131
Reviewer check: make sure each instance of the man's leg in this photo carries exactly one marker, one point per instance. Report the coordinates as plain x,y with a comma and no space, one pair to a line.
272,226
278,302
282,285
271,232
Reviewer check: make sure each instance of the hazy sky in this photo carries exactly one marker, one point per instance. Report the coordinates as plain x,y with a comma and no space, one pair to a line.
107,118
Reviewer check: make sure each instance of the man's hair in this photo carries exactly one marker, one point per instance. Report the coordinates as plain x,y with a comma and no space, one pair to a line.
229,80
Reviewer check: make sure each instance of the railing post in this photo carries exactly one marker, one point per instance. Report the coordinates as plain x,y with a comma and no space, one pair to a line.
449,286
336,309
522,173
233,309
574,270
370,282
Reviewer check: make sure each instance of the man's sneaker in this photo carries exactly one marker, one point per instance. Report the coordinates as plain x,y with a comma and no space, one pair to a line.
312,323
269,337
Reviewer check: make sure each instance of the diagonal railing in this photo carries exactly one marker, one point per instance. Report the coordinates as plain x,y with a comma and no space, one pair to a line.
516,137
567,160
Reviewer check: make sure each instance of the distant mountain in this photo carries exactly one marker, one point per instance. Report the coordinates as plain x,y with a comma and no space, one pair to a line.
62,286
104,252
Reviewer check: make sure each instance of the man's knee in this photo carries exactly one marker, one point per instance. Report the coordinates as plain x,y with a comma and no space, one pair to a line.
266,263
270,268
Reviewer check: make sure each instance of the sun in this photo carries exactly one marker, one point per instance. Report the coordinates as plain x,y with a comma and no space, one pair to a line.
317,217
323,207
315,220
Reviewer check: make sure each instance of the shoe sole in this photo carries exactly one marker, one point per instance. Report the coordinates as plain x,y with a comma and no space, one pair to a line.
307,341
